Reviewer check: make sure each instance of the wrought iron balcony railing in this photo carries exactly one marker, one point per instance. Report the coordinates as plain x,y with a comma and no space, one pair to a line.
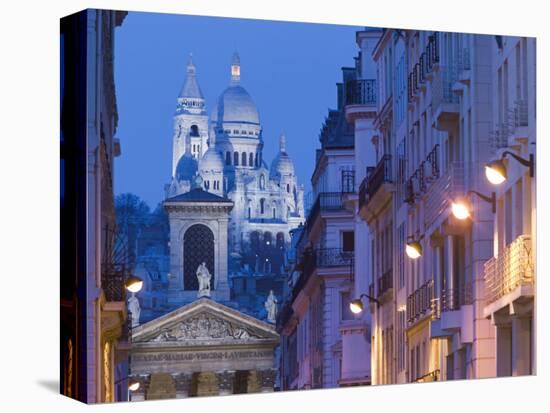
444,189
361,92
510,269
451,299
420,302
431,376
375,178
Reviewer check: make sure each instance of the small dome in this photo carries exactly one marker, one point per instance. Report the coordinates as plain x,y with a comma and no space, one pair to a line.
282,164
211,161
236,105
186,168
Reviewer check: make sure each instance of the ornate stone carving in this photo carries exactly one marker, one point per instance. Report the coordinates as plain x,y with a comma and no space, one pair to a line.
226,381
266,379
206,327
182,382
203,277
134,309
271,307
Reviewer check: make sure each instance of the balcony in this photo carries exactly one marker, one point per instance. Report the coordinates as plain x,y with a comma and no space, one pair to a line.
376,189
453,312
509,277
431,376
423,177
445,108
360,100
420,302
325,202
440,195
385,284
324,258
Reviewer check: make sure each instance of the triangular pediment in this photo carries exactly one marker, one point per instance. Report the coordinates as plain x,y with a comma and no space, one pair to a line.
204,322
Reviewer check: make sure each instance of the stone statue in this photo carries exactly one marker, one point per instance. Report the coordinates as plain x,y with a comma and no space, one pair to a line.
271,307
204,277
135,309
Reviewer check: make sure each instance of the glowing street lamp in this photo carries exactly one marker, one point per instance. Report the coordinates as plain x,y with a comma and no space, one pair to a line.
496,172
133,284
461,208
356,305
413,249
134,386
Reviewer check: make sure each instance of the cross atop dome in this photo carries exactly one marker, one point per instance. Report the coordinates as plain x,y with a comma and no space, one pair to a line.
190,66
235,69
282,143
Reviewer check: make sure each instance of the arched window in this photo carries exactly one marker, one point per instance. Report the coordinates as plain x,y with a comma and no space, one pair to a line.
198,247
262,205
243,159
287,187
228,158
194,131
251,159
280,243
262,181
274,213
236,158
268,239
256,162
249,212
207,185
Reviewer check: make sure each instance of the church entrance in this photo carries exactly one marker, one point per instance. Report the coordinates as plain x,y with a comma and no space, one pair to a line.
198,247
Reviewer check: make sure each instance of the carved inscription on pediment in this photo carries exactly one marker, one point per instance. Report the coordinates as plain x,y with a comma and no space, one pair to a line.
204,327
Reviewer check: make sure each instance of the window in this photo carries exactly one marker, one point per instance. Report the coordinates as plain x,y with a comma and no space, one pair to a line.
262,205
251,159
348,241
236,158
274,214
287,187
194,131
262,182
228,158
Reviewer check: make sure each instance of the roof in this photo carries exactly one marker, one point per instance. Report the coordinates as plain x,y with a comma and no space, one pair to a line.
198,195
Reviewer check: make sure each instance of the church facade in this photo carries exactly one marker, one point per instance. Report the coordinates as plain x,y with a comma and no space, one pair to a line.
224,150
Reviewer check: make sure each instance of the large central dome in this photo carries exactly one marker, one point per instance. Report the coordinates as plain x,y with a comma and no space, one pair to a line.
236,106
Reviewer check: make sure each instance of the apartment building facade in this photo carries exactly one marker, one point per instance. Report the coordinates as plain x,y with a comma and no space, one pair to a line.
435,129
315,315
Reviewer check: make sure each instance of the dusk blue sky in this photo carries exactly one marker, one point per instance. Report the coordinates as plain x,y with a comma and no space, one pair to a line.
289,69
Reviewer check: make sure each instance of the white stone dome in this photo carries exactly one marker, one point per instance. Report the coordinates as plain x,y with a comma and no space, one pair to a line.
282,164
211,161
186,167
236,106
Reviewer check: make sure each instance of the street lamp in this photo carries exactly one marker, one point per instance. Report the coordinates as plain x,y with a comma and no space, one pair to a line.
356,305
133,284
134,386
413,248
496,172
461,208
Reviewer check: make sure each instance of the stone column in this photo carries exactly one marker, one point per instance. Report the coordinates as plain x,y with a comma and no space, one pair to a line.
266,379
144,381
521,346
226,382
182,382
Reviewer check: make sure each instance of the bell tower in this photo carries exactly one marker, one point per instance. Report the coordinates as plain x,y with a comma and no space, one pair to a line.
190,119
